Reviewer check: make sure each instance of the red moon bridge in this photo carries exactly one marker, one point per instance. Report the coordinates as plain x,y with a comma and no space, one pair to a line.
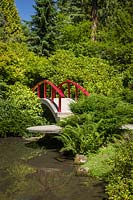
56,99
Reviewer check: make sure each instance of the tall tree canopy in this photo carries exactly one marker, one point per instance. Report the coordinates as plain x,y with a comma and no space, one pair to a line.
79,11
108,15
42,27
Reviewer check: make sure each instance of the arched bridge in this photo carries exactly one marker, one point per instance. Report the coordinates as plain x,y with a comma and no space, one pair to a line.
56,99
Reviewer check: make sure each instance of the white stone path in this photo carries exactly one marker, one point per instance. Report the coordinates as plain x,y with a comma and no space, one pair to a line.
57,129
128,126
45,129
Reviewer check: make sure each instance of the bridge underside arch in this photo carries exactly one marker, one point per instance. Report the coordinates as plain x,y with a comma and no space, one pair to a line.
50,109
53,108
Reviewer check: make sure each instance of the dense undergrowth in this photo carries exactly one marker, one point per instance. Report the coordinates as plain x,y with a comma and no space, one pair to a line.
97,120
120,178
95,129
114,165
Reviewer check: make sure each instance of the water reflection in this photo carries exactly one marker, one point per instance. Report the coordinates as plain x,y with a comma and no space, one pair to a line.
34,174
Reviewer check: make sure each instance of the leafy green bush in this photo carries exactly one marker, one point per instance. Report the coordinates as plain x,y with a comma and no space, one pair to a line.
70,34
112,112
80,134
120,188
97,121
19,110
121,178
95,74
118,57
127,95
114,164
19,64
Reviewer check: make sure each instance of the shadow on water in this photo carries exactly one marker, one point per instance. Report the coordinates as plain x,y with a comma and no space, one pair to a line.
48,141
30,172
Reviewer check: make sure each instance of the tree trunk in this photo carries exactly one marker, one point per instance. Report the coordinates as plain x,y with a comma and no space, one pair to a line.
94,20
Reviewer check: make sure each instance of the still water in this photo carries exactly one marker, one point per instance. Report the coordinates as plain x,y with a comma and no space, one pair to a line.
28,172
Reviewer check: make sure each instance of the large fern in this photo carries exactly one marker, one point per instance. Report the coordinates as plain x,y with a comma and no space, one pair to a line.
81,138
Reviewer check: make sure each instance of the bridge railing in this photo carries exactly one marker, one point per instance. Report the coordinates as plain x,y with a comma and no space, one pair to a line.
77,88
54,90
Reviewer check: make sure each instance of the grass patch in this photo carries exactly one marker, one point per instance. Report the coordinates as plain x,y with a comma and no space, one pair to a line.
102,163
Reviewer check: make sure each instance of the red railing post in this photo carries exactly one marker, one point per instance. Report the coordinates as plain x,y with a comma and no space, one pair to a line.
76,93
59,108
38,91
54,90
52,94
77,87
69,93
45,89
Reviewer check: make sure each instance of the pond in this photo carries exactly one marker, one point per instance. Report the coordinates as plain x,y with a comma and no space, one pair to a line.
30,172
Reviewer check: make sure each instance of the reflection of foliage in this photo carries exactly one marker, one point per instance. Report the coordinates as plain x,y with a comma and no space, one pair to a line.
20,181
18,173
53,180
20,184
20,170
18,152
61,184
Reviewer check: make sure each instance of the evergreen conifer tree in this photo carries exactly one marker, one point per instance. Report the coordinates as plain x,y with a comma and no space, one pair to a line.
113,16
42,27
115,19
74,9
10,25
81,10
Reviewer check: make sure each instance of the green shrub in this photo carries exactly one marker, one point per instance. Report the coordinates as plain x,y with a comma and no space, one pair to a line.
19,110
121,178
96,122
95,74
120,189
112,112
17,64
114,164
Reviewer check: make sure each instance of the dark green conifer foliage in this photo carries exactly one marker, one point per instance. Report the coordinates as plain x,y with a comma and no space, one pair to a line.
81,10
115,19
41,39
77,10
